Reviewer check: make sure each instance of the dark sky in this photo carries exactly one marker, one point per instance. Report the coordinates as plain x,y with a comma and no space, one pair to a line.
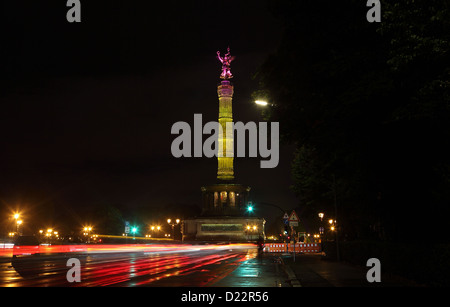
87,108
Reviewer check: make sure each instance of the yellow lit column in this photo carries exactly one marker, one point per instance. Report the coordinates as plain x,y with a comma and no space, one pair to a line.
225,160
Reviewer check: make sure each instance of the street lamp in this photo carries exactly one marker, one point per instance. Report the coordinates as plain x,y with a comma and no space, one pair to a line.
87,230
48,234
264,103
261,102
321,215
169,221
16,216
18,223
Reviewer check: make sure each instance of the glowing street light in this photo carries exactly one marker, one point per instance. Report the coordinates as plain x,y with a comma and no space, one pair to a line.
87,230
16,216
261,102
169,221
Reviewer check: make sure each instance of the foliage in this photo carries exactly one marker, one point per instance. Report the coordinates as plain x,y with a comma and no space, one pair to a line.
368,105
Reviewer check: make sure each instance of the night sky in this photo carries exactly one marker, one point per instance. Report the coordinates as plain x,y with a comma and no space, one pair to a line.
87,108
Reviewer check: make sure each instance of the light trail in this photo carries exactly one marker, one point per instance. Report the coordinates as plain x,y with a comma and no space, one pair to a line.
130,265
45,249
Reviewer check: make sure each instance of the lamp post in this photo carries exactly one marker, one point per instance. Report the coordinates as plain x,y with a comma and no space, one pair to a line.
170,222
156,229
336,217
332,228
16,216
48,234
321,215
87,230
18,223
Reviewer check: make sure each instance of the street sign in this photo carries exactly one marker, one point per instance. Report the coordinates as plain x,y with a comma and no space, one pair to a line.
127,227
293,219
286,219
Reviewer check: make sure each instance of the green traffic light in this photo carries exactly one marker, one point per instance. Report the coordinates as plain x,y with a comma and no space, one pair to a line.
134,230
249,208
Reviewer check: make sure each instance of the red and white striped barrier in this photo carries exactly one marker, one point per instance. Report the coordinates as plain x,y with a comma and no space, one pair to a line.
299,248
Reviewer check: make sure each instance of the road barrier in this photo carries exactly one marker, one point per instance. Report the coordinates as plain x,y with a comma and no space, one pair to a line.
299,248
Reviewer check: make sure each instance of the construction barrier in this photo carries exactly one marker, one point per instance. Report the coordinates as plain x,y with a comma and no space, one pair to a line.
299,248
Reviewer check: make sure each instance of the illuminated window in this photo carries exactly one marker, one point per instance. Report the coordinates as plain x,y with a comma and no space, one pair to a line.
223,198
232,199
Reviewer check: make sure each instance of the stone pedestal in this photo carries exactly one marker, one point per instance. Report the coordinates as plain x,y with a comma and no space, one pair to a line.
224,199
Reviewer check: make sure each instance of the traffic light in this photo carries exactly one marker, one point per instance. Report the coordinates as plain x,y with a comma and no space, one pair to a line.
134,230
249,207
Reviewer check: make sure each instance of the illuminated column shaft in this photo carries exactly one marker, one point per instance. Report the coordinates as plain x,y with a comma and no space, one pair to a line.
225,157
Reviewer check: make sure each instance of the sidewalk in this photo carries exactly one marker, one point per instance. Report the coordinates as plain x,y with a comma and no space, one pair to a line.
255,272
310,270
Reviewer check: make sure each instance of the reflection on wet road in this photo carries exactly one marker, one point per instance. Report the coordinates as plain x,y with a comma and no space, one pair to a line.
201,267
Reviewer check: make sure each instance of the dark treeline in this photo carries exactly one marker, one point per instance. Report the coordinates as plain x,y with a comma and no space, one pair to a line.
367,106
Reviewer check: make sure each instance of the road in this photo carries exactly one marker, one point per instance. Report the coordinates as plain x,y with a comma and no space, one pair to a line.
178,266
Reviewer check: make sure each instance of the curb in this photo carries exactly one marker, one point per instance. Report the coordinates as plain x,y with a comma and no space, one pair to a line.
291,275
292,278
